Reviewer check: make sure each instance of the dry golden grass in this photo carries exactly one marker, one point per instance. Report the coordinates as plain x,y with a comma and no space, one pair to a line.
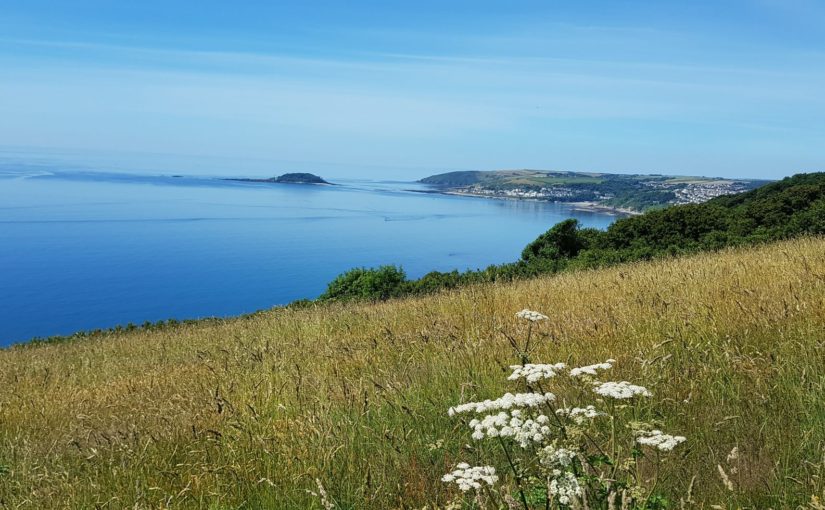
250,412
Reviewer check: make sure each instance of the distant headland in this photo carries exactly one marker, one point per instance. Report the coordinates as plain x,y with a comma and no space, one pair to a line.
292,178
623,193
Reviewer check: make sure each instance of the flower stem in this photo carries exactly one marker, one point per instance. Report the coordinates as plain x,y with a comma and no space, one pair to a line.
515,473
525,355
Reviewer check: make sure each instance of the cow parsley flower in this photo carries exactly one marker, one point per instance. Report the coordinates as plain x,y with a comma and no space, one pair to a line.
506,401
535,372
556,457
525,431
591,369
468,478
620,390
565,487
579,414
658,439
531,315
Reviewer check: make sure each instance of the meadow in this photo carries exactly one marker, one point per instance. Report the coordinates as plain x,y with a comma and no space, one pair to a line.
262,411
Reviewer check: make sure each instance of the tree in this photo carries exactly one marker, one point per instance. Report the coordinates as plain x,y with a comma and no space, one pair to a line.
561,241
360,283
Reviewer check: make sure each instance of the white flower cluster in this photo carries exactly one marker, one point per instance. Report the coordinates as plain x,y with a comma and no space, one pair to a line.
660,440
531,316
535,372
523,430
591,369
467,477
565,487
556,457
579,414
507,401
620,390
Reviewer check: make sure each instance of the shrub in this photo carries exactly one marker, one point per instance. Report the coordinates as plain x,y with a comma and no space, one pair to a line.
361,283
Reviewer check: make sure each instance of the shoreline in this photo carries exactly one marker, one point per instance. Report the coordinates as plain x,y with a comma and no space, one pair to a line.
595,206
585,206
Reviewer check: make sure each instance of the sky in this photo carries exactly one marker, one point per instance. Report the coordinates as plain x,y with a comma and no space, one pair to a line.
400,90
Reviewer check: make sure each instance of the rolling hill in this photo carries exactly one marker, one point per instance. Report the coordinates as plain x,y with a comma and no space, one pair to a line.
255,412
625,192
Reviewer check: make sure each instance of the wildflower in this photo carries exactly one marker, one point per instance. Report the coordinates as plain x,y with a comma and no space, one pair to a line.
507,401
523,431
565,487
535,372
531,315
579,414
591,369
660,440
620,390
468,478
552,456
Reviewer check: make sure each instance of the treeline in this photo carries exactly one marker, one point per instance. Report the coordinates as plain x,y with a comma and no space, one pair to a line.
792,207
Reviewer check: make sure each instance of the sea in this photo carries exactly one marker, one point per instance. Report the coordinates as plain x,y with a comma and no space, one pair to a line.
82,249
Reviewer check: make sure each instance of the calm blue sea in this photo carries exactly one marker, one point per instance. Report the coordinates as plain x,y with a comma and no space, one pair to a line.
83,250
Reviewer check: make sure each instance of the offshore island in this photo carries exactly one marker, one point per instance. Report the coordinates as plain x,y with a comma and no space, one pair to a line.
290,178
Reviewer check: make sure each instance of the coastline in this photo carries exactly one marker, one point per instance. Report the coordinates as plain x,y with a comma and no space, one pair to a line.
595,206
586,206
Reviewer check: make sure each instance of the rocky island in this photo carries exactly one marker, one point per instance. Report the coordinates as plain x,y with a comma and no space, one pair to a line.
291,178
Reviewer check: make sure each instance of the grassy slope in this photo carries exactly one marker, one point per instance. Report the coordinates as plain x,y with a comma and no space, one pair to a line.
254,410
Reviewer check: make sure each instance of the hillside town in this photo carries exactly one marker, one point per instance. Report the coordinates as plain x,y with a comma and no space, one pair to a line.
682,193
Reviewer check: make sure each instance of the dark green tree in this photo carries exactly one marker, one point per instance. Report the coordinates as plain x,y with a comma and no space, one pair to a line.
361,283
561,241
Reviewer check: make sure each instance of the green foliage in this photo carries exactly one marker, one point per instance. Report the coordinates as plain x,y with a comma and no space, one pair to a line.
463,178
434,281
362,283
561,241
789,208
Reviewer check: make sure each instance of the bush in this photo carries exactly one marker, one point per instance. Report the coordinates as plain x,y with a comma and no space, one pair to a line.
361,283
561,241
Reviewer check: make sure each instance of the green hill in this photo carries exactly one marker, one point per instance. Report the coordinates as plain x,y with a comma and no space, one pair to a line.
255,412
630,192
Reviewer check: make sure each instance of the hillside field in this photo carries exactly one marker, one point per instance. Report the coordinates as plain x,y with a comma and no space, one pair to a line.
250,412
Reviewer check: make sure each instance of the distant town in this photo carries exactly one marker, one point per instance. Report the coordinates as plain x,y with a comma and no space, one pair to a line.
627,193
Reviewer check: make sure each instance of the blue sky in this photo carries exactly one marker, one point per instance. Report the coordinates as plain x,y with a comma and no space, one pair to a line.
403,89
